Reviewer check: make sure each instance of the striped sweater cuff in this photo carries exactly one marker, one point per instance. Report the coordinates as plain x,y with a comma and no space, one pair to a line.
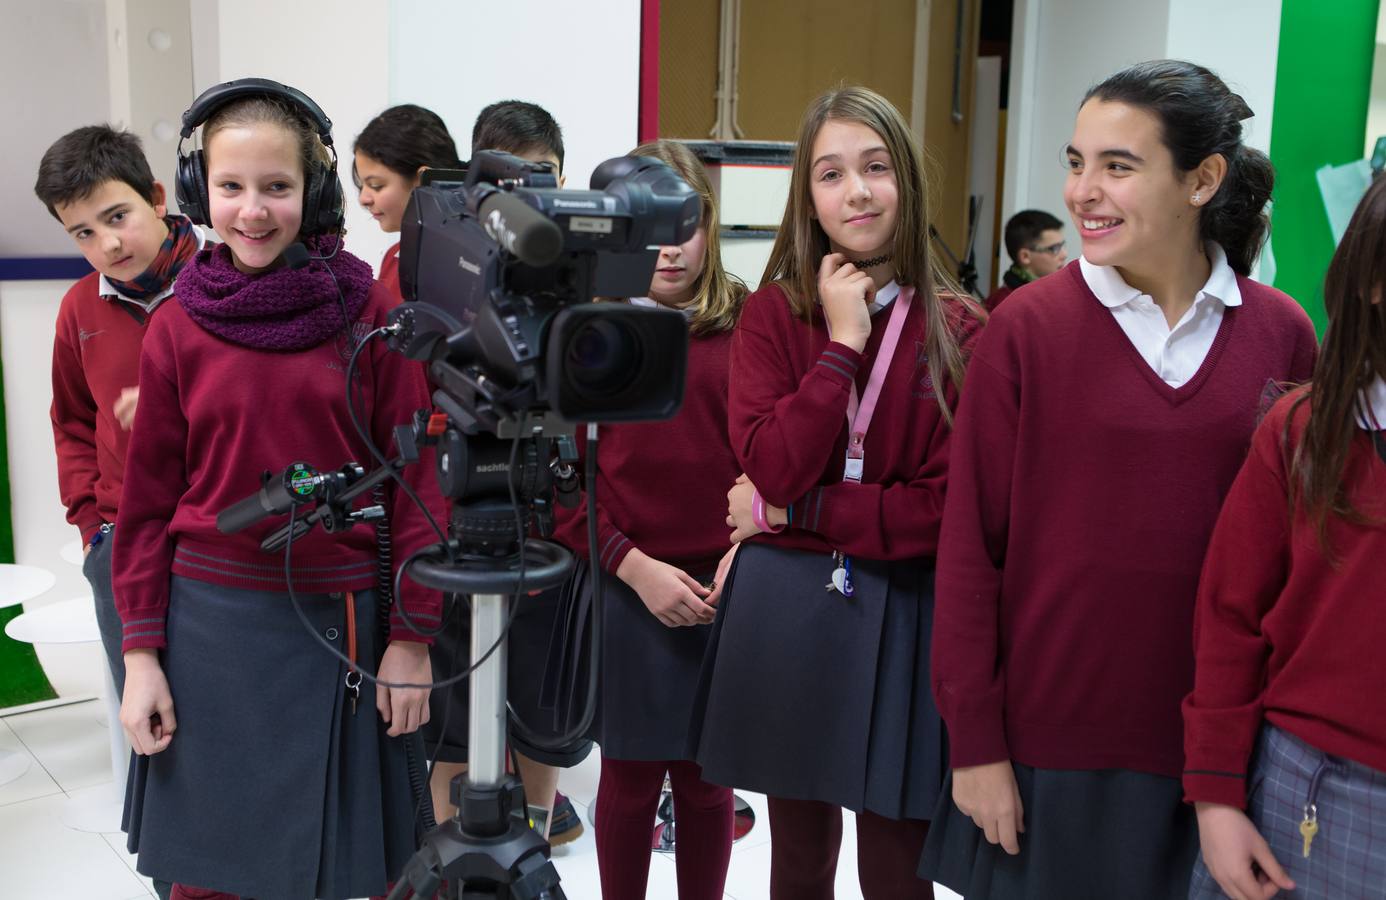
614,549
143,633
401,630
840,360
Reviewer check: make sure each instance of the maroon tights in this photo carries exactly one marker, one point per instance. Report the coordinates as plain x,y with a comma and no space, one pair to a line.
805,836
627,800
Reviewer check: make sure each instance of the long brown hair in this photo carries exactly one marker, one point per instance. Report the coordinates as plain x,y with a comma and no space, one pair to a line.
801,243
718,296
1353,354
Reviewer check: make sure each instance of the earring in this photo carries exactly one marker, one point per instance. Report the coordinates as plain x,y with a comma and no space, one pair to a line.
1197,198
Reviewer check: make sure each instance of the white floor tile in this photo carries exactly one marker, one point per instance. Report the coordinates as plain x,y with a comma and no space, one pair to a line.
33,783
68,742
42,858
117,845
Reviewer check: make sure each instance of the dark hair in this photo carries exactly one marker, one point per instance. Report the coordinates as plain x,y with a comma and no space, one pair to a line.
515,126
1025,227
81,161
404,137
1199,116
1353,354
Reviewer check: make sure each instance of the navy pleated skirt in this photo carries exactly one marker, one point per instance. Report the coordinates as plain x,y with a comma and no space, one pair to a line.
649,672
272,787
1089,835
806,694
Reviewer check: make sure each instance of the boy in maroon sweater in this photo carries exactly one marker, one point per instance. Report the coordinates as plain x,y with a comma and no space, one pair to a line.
98,185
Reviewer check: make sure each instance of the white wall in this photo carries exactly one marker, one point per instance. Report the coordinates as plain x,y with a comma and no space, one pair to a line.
47,101
1063,47
581,62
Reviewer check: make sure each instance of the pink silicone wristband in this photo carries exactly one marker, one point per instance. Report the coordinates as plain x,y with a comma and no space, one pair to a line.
758,515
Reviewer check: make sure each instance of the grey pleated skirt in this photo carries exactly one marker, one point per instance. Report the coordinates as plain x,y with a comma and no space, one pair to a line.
648,676
272,787
806,694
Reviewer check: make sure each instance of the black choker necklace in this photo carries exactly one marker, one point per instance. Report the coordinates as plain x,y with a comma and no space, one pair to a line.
863,264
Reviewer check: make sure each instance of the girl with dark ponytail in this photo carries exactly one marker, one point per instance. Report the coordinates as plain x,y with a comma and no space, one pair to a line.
1285,732
1107,411
390,155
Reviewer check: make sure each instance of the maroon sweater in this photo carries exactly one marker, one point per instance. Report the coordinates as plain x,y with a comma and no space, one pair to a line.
1084,490
662,486
995,298
1280,632
96,355
212,416
788,416
389,271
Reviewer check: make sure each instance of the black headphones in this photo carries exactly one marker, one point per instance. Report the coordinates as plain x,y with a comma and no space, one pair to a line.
324,207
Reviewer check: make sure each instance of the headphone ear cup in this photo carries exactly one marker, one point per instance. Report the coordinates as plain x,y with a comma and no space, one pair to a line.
332,205
311,201
190,187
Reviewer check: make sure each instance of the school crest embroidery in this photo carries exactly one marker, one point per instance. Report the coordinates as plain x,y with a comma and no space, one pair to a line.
922,381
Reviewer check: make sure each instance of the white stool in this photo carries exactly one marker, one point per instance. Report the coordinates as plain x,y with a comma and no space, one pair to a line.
72,552
74,622
19,584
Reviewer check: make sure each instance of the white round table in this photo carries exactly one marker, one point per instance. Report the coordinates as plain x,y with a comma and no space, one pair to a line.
19,584
73,622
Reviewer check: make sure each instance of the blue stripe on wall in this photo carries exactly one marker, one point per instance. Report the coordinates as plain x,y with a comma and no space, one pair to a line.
42,268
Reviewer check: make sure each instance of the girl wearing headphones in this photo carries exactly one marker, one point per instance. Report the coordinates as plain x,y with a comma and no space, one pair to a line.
390,155
265,766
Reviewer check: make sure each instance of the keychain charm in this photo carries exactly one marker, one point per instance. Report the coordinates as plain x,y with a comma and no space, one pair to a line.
842,575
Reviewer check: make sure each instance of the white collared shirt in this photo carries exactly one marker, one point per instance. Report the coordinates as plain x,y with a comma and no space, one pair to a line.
1371,416
104,288
1174,353
883,297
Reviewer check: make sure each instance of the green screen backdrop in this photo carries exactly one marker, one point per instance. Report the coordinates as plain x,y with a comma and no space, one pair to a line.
1322,86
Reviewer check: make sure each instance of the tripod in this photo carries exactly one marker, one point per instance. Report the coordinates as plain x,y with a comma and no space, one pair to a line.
488,849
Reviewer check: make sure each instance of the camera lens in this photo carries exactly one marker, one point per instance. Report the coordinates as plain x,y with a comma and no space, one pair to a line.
603,357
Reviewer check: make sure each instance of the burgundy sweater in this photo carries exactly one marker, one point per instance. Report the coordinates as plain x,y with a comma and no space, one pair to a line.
662,486
1282,634
389,272
212,416
995,298
788,418
96,355
1083,492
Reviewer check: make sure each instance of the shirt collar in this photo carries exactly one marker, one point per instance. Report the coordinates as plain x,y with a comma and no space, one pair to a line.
883,297
108,291
1112,290
1371,415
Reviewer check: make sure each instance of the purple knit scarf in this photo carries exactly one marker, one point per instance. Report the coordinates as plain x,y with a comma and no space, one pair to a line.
285,309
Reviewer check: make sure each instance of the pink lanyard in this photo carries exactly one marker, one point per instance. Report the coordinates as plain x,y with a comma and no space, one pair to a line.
859,412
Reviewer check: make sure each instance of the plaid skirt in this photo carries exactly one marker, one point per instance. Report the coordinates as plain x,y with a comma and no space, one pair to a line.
1347,858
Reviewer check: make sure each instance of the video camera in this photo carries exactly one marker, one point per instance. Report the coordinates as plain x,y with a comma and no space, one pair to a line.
498,272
